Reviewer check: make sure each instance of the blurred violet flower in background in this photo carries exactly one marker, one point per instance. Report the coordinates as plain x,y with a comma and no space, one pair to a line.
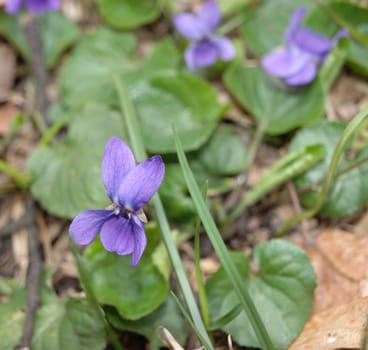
36,6
205,48
129,187
297,62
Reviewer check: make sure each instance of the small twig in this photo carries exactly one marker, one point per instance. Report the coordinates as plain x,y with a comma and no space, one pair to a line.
298,208
15,225
32,34
33,280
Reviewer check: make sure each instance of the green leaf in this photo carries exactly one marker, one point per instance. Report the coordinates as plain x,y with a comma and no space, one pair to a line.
134,292
80,327
103,54
11,313
167,315
224,153
173,191
66,176
72,325
88,73
129,14
348,193
280,282
57,33
187,101
278,110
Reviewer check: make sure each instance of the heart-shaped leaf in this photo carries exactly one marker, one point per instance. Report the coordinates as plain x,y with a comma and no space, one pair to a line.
129,14
349,191
134,292
59,325
66,176
188,102
279,111
57,33
89,72
280,282
102,56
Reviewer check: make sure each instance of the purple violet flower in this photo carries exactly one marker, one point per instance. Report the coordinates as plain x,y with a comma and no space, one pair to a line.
205,48
296,63
36,6
129,187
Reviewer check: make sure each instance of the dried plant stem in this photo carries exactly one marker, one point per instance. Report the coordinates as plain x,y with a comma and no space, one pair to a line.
15,225
34,272
39,70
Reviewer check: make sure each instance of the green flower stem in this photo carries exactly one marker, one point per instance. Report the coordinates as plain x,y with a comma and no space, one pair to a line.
83,275
256,143
199,278
134,132
349,131
222,252
293,164
21,181
50,133
332,65
253,150
233,23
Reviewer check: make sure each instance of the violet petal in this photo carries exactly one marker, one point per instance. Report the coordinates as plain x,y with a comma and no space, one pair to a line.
203,54
189,56
284,63
210,15
225,48
86,225
140,240
38,6
117,161
294,24
117,235
140,184
13,6
190,26
308,40
304,76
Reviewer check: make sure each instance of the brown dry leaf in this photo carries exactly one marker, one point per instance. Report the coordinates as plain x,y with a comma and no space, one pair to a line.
340,260
339,328
7,70
340,309
8,113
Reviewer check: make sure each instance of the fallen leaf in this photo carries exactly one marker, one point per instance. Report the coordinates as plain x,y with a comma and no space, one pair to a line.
340,260
8,113
340,309
342,327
